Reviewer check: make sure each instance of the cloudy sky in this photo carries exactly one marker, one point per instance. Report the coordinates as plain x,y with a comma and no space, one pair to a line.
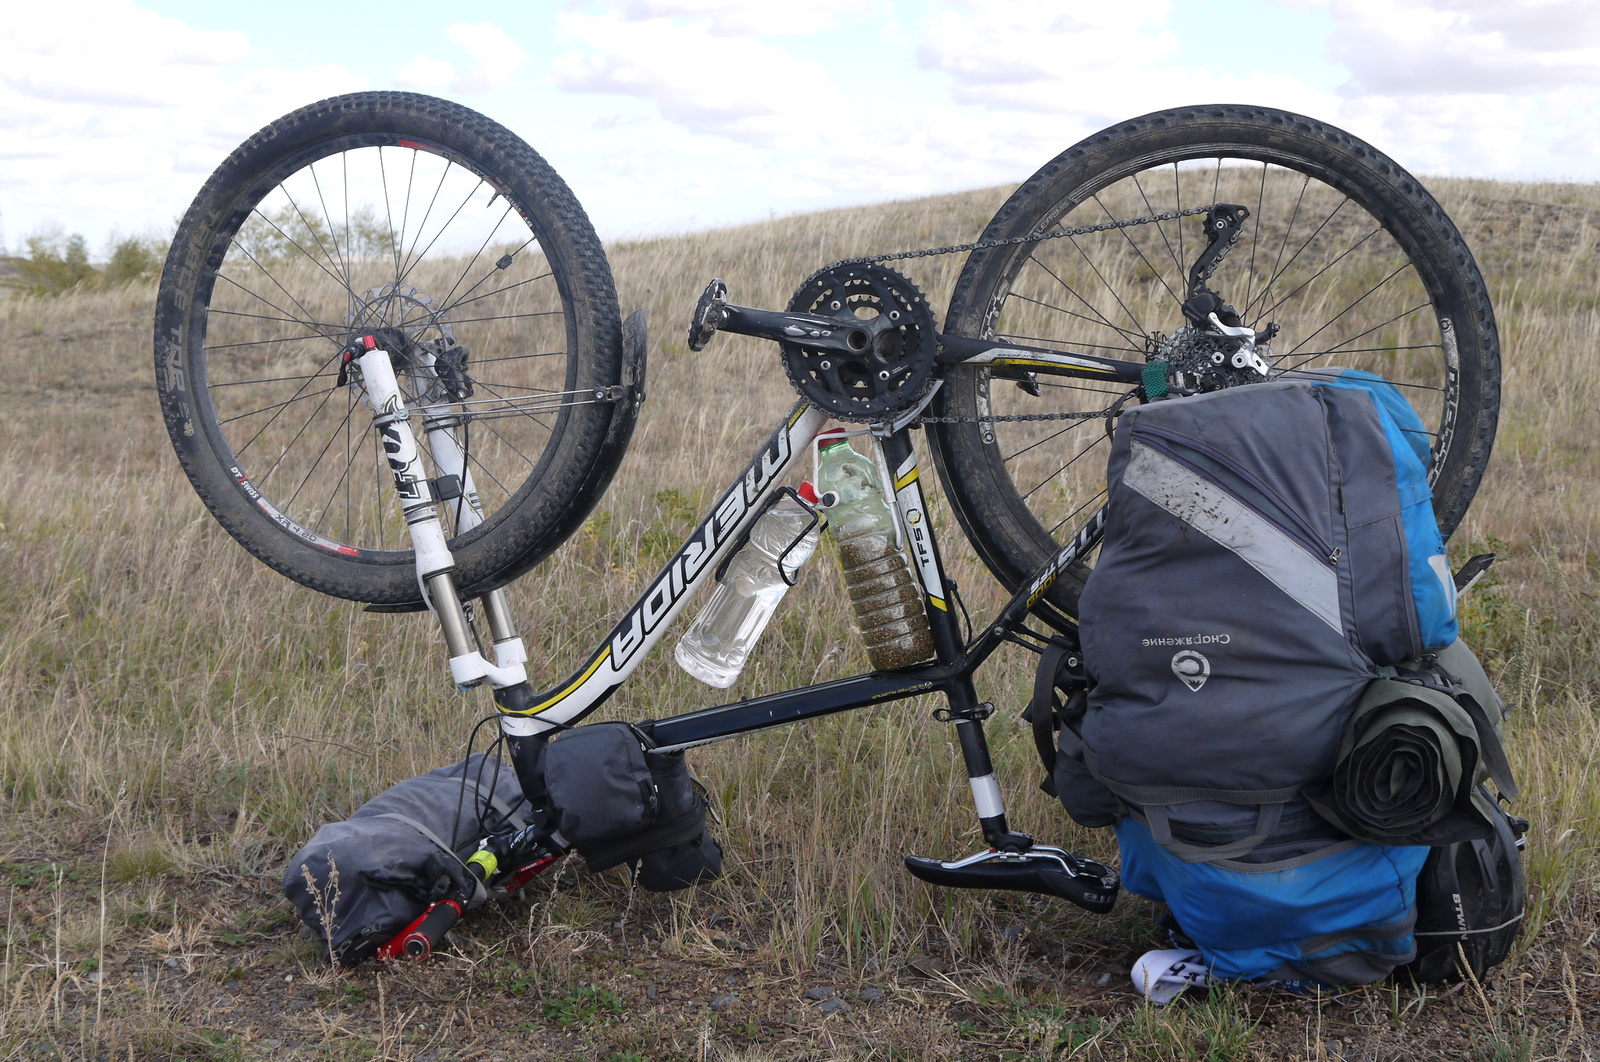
674,114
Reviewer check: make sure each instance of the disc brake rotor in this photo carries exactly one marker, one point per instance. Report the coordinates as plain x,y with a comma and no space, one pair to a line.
412,327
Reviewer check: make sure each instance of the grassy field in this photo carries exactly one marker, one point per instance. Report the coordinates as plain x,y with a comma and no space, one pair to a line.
175,720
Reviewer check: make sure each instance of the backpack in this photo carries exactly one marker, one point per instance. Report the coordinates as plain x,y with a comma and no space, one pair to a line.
1269,552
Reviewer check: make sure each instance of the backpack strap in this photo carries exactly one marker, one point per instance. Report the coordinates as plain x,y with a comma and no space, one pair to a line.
1046,712
1153,803
479,893
1491,749
1042,710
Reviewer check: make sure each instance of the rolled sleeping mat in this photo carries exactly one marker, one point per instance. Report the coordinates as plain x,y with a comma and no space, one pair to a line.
1408,761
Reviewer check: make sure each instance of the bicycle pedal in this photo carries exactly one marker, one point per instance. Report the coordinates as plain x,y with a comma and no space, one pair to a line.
1045,870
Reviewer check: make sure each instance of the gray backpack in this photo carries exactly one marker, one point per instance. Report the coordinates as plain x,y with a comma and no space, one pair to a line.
1269,552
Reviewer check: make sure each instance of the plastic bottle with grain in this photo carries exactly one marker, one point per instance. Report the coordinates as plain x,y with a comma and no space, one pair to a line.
886,596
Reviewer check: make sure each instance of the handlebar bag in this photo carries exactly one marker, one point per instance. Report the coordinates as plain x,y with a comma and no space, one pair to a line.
619,801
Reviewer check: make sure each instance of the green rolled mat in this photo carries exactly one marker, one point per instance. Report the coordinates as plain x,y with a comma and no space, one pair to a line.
1407,764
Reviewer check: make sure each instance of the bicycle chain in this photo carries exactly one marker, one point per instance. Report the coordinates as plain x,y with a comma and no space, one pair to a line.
996,418
1013,241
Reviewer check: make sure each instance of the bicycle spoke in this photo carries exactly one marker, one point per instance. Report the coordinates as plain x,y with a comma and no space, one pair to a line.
445,301
520,357
1095,501
1138,250
1070,462
422,226
1161,227
499,435
1138,329
1330,322
1098,320
1255,237
332,438
261,480
1292,259
1320,272
299,396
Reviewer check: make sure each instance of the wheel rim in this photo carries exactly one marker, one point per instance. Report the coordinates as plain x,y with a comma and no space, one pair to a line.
1342,286
398,236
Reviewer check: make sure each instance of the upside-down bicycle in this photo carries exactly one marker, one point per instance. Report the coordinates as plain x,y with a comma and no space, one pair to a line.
400,261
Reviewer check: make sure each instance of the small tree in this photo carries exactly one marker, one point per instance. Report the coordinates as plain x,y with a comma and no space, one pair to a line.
132,259
55,263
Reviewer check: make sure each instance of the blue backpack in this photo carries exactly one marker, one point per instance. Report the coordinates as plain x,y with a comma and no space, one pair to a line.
1269,552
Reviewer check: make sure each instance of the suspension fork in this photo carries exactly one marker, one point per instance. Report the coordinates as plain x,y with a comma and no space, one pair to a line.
963,707
441,424
435,563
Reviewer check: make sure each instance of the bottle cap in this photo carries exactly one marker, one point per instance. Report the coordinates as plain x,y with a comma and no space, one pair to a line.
831,437
807,492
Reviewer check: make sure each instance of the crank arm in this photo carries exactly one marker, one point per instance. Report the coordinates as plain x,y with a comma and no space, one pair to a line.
844,334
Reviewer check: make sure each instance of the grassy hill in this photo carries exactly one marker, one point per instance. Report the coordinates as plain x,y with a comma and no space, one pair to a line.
175,720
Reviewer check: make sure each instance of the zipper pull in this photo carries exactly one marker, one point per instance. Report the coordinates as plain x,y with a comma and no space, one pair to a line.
1333,558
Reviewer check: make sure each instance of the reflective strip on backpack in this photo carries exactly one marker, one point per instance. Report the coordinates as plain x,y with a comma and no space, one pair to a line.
1305,577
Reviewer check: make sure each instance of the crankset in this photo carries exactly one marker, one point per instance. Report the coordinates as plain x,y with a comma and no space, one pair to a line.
858,339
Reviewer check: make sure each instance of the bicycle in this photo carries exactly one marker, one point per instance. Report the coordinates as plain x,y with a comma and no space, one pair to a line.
340,260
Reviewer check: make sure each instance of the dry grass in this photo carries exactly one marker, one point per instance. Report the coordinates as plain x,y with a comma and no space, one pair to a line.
175,719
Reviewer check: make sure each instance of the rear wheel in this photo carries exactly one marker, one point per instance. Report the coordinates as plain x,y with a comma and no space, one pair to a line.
1354,261
452,241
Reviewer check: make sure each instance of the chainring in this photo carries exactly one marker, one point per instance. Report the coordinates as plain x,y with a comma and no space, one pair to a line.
892,334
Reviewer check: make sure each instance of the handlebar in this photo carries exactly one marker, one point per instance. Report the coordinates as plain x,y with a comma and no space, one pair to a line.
418,939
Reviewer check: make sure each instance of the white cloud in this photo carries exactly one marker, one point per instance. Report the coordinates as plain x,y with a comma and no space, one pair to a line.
1428,47
735,18
492,62
427,74
495,56
110,54
1461,135
1472,87
740,88
1048,59
111,118
1094,64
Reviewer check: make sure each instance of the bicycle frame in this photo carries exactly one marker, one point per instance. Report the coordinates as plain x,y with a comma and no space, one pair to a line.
1012,859
527,716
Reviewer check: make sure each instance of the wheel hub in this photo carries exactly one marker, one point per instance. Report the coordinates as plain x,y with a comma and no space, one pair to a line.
411,325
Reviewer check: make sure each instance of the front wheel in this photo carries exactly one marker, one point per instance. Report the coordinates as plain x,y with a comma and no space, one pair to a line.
1351,258
445,236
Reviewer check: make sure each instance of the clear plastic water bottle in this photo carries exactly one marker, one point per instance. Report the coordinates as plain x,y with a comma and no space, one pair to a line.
715,647
886,596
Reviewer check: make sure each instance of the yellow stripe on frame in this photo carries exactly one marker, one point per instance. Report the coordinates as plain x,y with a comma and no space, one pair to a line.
579,681
909,477
1033,363
938,603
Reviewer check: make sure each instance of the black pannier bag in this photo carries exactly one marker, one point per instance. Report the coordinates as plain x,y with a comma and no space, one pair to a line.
616,800
358,882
